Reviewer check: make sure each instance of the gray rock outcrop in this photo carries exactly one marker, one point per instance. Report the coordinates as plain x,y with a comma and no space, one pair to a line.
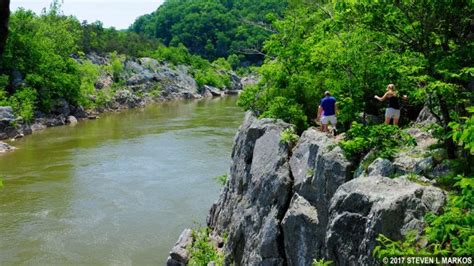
288,207
365,207
252,206
425,117
319,168
179,255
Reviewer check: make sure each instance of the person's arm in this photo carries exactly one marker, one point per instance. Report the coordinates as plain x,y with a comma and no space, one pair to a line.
382,98
320,110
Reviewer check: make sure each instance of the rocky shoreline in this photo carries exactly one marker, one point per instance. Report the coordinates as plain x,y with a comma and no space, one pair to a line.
143,81
288,204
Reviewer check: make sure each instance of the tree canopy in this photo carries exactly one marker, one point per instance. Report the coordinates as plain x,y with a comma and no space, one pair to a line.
212,28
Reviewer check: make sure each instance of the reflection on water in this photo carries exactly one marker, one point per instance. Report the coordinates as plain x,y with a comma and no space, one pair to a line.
118,190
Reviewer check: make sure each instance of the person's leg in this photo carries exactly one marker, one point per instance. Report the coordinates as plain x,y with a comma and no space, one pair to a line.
334,124
396,117
388,115
324,124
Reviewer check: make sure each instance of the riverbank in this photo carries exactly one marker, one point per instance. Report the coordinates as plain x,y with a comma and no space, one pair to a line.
141,81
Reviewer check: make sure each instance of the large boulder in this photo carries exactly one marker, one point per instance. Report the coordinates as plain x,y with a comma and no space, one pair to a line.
126,99
418,159
8,129
381,167
425,117
365,207
212,91
319,168
6,114
179,255
301,228
257,195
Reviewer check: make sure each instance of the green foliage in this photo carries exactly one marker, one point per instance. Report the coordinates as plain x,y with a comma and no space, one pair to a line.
447,234
227,27
287,110
355,48
95,38
88,74
203,251
321,262
22,101
39,47
289,136
464,133
383,139
222,179
1,183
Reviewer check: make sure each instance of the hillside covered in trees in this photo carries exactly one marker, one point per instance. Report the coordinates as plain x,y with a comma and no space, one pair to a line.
214,29
46,61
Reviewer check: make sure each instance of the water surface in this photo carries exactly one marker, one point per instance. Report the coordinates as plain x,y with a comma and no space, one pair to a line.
114,191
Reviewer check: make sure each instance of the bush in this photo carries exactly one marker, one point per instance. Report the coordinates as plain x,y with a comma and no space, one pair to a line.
383,139
203,251
23,102
288,136
89,74
287,110
463,134
222,179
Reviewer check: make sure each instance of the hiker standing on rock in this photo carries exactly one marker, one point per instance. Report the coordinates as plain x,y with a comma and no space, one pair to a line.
393,108
327,112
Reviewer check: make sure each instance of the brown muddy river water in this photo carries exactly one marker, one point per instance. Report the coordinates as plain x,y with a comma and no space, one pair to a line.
114,191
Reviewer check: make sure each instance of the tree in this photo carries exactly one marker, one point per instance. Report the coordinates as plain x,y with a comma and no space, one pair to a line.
4,18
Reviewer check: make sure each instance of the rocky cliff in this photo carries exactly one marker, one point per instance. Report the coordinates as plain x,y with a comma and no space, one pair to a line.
285,205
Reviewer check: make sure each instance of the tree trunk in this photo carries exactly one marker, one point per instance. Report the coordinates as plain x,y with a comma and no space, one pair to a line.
448,142
4,17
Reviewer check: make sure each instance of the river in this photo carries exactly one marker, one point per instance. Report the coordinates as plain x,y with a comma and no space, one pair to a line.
114,191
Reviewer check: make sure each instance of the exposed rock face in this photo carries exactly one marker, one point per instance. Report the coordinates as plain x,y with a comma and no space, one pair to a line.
301,228
179,255
252,206
365,207
6,114
319,168
425,117
212,91
381,167
249,80
288,207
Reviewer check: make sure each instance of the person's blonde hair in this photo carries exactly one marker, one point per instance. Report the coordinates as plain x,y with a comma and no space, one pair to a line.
391,86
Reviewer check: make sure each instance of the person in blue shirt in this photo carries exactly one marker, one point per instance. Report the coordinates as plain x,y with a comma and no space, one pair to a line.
327,112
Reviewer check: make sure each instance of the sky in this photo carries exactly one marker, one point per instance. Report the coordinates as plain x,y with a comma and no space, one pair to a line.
113,13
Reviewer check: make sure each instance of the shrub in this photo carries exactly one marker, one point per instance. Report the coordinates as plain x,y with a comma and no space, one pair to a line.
222,179
383,139
289,136
287,110
22,102
463,134
203,251
321,262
